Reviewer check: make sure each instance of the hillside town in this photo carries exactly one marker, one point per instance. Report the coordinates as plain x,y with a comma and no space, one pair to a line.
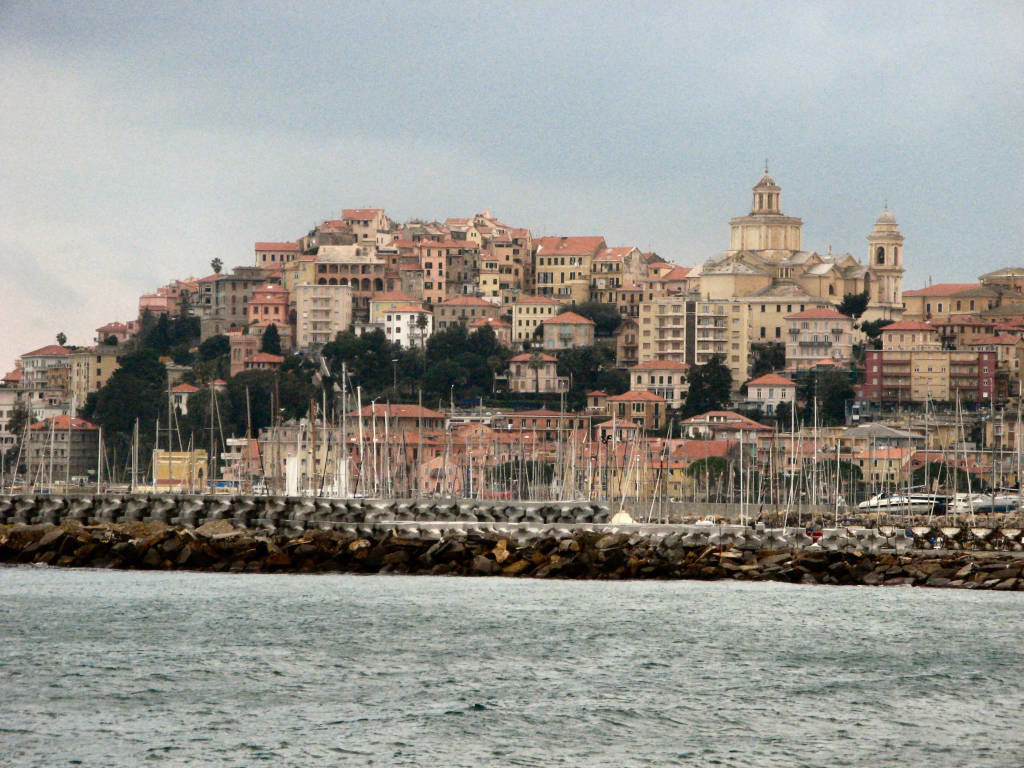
470,358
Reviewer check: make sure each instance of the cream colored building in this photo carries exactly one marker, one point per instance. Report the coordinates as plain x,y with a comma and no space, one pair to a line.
910,334
536,372
321,313
942,301
90,369
770,391
528,312
818,334
568,330
692,330
665,378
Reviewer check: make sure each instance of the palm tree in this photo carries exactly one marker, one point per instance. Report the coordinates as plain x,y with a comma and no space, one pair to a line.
217,265
535,364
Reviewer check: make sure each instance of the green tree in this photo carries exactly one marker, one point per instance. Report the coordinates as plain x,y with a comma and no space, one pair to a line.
783,416
768,357
61,338
136,390
606,317
854,304
941,475
832,388
710,388
213,347
873,330
271,342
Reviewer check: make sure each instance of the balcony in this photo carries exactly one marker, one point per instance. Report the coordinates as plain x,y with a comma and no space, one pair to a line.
803,343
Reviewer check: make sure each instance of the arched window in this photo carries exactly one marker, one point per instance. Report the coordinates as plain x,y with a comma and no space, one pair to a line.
321,281
366,283
343,281
831,290
332,281
880,255
378,284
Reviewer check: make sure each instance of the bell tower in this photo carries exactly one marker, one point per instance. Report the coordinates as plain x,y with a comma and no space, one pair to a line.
885,266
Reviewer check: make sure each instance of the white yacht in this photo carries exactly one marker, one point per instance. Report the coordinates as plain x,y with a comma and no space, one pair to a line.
912,503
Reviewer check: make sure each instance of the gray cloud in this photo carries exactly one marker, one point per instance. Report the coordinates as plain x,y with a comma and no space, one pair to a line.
138,143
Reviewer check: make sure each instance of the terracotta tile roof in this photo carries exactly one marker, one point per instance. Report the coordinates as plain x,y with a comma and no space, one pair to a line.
694,450
185,388
909,325
468,301
266,357
998,339
490,321
771,380
412,308
359,214
943,289
285,246
569,318
527,356
397,411
569,246
633,396
539,413
51,350
819,313
661,365
676,273
15,375
61,423
113,327
530,299
613,254
728,420
597,393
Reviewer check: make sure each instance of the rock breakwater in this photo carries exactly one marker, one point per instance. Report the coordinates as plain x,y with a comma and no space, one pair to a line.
565,554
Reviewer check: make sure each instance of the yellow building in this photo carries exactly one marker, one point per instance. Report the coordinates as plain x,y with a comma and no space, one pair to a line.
563,266
90,369
528,312
180,470
943,300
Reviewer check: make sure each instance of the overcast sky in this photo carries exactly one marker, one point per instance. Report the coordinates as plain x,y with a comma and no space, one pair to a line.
139,141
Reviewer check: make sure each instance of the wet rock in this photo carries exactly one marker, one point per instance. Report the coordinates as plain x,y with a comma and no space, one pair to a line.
484,565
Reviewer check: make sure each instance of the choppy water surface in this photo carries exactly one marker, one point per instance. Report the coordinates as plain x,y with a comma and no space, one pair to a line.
106,668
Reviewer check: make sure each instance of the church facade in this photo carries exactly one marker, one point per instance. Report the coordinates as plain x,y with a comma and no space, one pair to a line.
767,264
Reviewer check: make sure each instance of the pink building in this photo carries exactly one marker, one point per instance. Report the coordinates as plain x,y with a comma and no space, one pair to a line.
269,304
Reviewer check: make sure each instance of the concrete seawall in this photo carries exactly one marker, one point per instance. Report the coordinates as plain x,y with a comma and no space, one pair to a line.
543,540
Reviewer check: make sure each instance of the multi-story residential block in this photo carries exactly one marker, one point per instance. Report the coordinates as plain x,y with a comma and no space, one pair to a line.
321,313
357,266
224,299
642,408
768,392
568,330
536,372
366,223
562,267
463,310
120,332
36,364
665,378
818,334
61,449
9,398
928,375
769,307
613,269
627,339
502,329
944,300
383,303
528,312
409,326
692,330
269,304
90,368
910,334
274,255
175,298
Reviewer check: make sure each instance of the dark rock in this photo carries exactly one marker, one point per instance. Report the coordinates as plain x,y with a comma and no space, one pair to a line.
484,565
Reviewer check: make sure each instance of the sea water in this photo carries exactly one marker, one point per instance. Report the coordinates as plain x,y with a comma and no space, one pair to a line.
104,668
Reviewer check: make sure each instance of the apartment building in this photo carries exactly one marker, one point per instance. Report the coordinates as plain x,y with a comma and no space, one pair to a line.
568,330
665,378
321,313
463,310
90,368
928,375
818,334
563,265
528,312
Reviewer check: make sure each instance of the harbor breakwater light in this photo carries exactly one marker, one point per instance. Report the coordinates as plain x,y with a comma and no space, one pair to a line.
572,541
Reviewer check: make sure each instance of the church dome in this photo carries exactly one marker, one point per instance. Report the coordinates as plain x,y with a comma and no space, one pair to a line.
886,220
